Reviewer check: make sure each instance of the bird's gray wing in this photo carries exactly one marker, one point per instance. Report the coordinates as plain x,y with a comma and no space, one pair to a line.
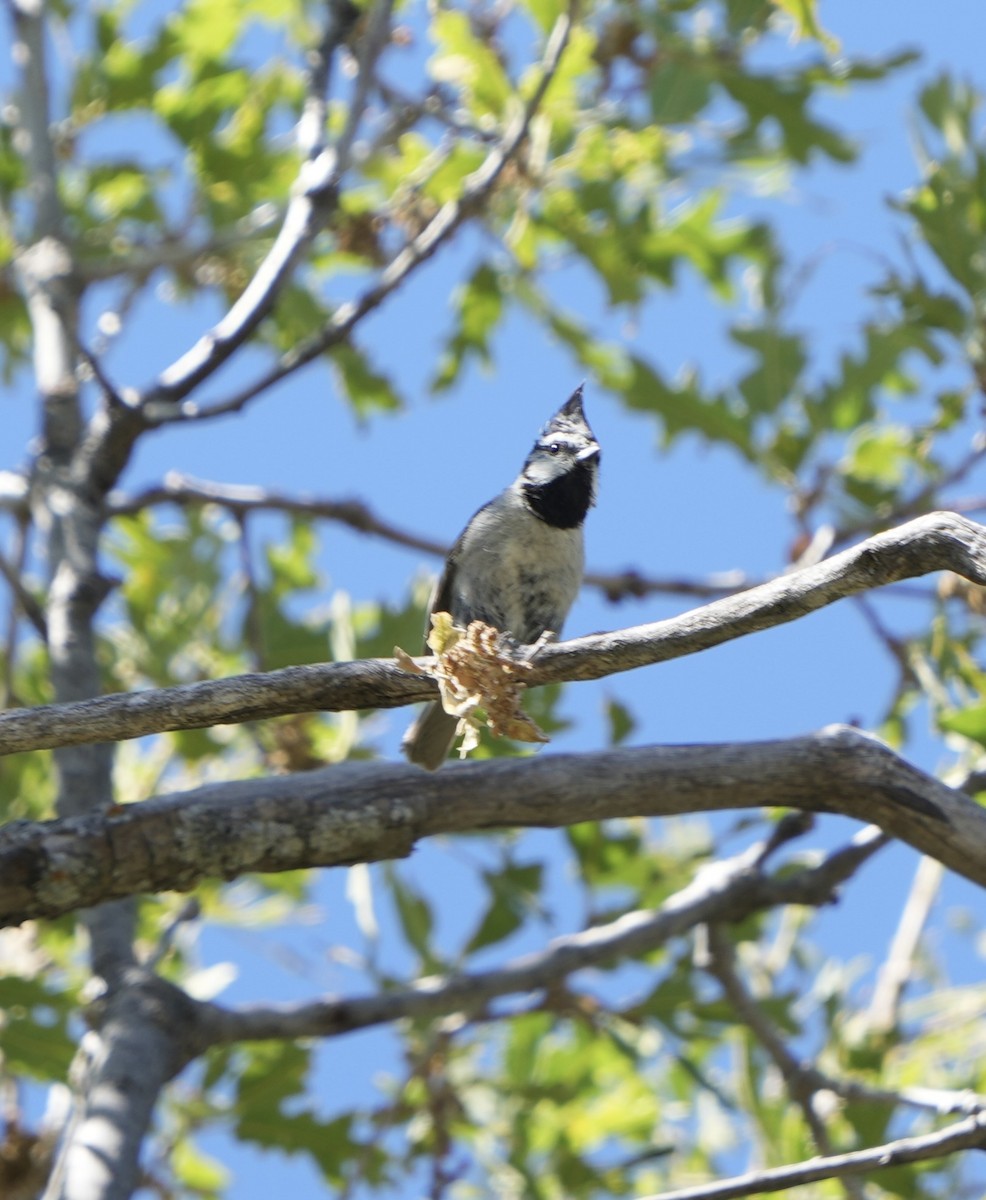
443,598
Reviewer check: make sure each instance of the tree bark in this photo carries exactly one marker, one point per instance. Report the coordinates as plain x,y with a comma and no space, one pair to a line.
367,812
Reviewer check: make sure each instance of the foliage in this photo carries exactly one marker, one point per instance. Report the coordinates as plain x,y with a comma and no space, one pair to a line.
175,166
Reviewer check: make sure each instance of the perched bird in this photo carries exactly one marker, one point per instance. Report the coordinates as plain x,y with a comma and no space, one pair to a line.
518,564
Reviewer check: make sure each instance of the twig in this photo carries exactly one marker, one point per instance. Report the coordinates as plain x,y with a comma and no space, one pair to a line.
16,608
191,910
435,234
898,967
372,44
238,499
968,1134
111,393
137,260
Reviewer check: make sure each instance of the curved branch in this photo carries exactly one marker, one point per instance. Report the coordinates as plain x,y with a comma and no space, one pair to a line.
940,541
358,812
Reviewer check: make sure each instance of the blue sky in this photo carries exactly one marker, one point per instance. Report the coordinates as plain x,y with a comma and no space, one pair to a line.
690,511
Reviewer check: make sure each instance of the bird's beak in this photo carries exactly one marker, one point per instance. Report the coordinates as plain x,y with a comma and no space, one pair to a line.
588,453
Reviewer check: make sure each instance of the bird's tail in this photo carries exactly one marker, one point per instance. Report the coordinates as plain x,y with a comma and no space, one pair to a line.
429,739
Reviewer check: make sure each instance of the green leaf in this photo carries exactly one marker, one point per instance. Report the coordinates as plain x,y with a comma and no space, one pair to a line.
275,1073
514,891
680,88
414,914
782,360
478,309
969,722
33,1032
198,1172
621,722
466,62
367,390
804,15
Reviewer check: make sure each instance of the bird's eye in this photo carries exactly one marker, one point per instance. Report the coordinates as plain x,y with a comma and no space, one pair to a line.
554,448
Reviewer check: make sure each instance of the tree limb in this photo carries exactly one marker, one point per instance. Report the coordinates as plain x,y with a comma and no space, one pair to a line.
99,1161
358,812
939,541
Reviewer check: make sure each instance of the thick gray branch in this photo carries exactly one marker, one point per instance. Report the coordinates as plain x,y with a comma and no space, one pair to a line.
360,812
940,541
146,1031
121,1088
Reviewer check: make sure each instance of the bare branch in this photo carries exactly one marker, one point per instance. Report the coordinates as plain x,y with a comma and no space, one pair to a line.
360,812
727,891
940,541
435,234
969,1134
926,544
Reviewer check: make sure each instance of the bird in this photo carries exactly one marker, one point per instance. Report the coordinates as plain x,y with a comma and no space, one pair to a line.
518,563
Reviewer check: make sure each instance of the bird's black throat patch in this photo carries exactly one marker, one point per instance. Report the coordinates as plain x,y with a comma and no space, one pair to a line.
564,501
